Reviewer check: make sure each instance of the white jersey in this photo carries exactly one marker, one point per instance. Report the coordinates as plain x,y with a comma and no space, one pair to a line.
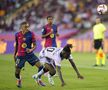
53,53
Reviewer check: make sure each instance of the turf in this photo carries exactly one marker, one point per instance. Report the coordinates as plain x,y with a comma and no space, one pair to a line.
95,78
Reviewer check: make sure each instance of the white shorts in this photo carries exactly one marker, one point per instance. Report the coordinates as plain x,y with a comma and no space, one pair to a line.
44,60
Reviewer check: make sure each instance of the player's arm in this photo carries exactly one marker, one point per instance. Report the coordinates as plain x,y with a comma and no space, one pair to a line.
16,48
103,28
44,34
33,45
57,31
32,49
60,75
75,68
57,34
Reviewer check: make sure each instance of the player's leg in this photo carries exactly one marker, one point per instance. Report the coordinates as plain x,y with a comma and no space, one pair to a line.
52,72
18,77
101,53
97,45
19,65
102,56
49,65
34,61
41,69
103,59
97,59
50,68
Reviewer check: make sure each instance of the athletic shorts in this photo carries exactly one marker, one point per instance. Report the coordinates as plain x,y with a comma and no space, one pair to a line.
31,59
44,60
98,44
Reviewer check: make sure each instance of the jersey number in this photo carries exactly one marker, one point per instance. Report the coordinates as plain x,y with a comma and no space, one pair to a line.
50,49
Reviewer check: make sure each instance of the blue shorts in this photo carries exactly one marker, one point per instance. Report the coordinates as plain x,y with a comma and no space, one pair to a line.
31,59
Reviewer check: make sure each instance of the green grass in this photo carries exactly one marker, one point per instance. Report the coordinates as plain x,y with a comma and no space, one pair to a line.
95,78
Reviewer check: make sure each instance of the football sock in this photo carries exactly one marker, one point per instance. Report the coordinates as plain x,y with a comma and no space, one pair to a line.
17,76
103,59
41,71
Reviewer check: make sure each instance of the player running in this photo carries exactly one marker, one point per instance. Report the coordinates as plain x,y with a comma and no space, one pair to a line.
52,57
25,45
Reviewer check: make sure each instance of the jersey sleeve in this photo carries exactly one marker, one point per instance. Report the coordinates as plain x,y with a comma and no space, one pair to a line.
16,38
33,37
70,57
103,27
43,31
55,28
42,53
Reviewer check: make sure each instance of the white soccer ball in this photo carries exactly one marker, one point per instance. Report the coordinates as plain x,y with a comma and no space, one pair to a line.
102,9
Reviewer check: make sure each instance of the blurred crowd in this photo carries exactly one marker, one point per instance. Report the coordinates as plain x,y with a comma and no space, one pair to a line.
78,14
7,6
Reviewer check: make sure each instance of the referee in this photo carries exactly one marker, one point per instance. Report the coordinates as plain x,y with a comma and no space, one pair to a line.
98,31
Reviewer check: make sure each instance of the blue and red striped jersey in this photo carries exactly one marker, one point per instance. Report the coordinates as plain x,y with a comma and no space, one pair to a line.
24,41
50,41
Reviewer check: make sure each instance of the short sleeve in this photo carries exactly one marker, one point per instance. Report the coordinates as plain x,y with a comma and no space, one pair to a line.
43,31
103,27
55,28
16,39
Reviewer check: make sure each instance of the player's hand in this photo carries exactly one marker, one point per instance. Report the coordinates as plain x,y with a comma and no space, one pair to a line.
51,32
63,84
80,77
29,50
57,34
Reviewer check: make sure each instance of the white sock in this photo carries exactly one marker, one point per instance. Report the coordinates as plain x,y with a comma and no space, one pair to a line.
40,73
49,76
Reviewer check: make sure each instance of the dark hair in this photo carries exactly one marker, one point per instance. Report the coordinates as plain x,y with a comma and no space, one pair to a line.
49,17
67,48
66,51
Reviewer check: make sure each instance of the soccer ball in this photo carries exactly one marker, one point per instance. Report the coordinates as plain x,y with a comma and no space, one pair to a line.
102,9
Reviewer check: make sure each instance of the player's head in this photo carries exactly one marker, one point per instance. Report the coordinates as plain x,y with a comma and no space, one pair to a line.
66,51
24,26
50,19
98,20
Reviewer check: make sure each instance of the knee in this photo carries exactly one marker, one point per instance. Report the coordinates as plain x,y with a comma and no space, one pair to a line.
52,72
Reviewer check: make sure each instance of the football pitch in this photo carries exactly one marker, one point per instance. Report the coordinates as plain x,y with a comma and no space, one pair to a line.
95,78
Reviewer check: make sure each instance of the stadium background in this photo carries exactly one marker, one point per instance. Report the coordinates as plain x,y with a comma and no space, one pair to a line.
75,19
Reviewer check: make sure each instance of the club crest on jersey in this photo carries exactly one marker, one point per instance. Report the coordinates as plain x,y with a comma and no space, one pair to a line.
52,35
24,45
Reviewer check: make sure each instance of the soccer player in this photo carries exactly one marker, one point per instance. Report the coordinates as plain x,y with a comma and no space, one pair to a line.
52,57
49,33
98,31
25,45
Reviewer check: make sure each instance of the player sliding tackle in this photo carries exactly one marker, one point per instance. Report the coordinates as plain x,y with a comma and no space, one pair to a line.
52,57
